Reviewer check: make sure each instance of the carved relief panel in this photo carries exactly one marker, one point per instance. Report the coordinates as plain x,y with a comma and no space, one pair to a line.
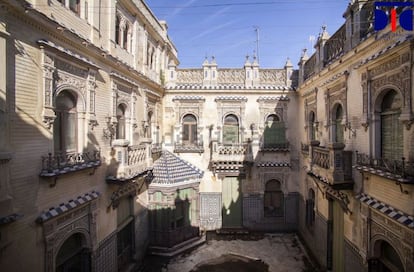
57,230
61,74
235,105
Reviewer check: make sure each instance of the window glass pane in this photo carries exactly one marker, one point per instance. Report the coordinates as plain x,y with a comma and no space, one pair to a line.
186,132
69,129
274,134
231,130
125,45
57,136
117,30
189,119
193,134
339,128
74,6
120,127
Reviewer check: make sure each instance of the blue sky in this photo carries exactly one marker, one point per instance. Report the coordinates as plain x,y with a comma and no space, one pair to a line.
226,29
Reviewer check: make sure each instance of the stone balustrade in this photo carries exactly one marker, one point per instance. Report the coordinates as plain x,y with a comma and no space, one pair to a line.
130,161
234,152
331,162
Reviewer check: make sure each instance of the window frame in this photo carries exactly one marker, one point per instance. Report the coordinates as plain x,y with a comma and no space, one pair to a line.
62,122
228,124
192,126
121,122
274,135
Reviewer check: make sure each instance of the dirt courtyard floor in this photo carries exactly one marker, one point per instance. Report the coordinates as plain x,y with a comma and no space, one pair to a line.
275,252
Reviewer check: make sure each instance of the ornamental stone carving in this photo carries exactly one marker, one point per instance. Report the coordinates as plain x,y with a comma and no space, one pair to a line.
57,230
273,76
190,76
230,76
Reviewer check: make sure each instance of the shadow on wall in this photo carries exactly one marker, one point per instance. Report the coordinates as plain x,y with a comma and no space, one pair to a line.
169,225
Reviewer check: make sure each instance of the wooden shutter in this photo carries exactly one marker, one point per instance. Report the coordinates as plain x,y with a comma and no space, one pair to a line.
391,137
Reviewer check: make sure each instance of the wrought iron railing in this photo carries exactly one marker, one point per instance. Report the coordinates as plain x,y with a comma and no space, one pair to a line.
62,163
320,156
402,168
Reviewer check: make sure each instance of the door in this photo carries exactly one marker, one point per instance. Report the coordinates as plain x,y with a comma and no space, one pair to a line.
232,203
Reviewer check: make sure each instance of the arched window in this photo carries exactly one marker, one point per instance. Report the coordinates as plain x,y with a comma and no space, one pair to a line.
273,199
339,128
120,126
65,125
391,127
74,6
310,208
274,133
125,37
312,129
189,130
118,30
72,255
231,129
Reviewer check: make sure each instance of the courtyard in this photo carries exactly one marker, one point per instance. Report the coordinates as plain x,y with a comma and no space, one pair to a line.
273,252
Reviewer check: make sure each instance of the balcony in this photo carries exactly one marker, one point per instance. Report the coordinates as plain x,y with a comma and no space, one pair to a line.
231,158
189,148
233,152
130,161
332,165
62,163
401,171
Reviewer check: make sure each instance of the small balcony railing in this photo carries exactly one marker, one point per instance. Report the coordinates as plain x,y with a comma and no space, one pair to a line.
234,152
130,162
401,170
320,156
189,148
62,163
331,163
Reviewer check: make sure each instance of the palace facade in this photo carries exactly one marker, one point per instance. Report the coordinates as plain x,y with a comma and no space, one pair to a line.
108,149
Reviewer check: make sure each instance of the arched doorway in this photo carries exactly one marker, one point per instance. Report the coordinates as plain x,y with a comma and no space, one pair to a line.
386,258
73,255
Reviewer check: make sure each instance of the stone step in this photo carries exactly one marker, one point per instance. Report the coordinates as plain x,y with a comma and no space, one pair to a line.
177,249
